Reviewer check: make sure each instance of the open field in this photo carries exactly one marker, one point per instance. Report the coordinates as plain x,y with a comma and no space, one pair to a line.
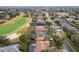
12,26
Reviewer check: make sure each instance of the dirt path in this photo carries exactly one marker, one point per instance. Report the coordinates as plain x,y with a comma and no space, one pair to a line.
22,28
10,22
13,20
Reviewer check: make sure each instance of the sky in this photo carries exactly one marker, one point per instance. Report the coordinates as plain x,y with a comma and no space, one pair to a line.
39,2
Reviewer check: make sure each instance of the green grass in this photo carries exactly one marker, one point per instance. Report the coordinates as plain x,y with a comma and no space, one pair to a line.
11,27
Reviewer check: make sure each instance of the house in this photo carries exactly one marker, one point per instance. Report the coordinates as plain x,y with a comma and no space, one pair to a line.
40,21
40,34
70,19
10,48
61,14
40,17
42,45
12,38
40,24
41,29
44,35
2,21
40,38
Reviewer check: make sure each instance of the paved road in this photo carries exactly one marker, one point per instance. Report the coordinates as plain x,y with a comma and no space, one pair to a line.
68,48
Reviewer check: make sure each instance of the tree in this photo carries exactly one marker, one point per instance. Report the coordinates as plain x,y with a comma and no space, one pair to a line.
33,23
8,17
25,41
58,42
3,41
48,23
52,18
75,24
75,39
68,33
32,14
13,14
2,15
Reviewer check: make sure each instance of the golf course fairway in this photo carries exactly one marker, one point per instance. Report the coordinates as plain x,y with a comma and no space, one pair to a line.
11,27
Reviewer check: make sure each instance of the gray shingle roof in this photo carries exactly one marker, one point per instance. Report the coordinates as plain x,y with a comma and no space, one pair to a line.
10,48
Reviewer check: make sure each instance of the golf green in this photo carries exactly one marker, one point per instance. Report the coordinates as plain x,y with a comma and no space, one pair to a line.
11,27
